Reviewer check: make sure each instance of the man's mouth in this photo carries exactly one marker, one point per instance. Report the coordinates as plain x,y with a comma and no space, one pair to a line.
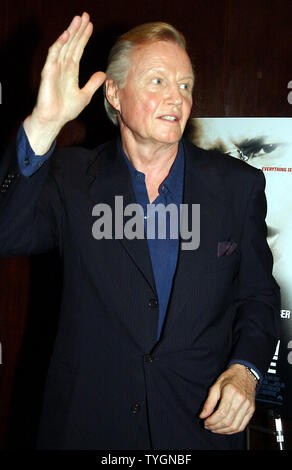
167,117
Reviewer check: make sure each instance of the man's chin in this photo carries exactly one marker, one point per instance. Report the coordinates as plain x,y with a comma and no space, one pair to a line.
170,139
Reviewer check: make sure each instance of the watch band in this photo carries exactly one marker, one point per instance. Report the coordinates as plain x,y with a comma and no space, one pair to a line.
253,373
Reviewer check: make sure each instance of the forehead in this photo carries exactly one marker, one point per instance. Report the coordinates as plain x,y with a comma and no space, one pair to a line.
163,55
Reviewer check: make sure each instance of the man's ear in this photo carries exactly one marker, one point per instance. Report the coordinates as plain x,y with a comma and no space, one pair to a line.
112,94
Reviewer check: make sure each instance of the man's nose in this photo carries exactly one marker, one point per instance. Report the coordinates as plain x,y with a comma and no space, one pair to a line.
173,95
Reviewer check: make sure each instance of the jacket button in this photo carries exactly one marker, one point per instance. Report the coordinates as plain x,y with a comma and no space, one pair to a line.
135,408
153,303
148,358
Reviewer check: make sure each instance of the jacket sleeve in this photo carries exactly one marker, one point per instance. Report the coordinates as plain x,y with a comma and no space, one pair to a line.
28,161
257,303
30,207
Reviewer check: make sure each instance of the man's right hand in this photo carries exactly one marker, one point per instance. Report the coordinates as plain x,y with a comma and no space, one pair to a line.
60,99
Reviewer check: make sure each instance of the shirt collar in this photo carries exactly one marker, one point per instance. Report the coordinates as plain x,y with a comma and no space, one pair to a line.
174,177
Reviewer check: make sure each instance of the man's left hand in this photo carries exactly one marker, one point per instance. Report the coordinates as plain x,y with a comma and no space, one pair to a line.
235,391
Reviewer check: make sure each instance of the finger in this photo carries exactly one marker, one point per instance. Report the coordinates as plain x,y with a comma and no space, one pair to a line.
246,419
82,31
74,26
231,421
83,40
218,419
238,424
55,48
95,81
63,39
241,419
73,29
227,405
211,402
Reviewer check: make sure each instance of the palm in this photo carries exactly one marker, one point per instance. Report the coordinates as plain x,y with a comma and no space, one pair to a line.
60,99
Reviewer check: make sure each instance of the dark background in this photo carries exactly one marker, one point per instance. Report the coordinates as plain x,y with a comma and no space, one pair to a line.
241,51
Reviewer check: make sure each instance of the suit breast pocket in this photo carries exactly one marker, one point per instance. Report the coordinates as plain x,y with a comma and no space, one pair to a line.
230,261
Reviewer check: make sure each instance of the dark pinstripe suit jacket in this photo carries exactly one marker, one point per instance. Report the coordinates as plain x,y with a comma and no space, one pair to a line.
110,384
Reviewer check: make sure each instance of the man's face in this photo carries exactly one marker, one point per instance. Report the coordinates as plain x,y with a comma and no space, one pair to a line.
155,103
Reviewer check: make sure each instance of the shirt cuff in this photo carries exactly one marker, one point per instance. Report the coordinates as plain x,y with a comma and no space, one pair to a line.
28,161
250,366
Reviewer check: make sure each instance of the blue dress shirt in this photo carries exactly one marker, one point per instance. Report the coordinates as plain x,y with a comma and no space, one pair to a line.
163,251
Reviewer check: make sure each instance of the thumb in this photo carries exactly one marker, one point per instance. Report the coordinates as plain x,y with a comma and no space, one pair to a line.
95,81
211,402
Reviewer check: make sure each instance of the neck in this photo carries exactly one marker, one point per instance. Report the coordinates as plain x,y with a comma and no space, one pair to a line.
151,159
155,161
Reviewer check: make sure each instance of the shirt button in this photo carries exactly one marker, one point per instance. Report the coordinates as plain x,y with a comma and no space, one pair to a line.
148,358
135,408
153,303
26,161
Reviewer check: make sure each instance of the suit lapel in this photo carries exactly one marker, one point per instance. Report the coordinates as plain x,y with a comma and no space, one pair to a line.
203,185
108,177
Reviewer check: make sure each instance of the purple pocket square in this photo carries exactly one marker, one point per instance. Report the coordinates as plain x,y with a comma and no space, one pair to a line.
226,248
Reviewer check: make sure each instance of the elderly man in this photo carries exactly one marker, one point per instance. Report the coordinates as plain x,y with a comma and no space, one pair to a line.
158,347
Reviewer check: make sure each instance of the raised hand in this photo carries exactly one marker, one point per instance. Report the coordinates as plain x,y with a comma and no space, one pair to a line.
60,99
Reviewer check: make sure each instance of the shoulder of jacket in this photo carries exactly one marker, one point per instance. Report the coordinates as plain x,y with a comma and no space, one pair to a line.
76,159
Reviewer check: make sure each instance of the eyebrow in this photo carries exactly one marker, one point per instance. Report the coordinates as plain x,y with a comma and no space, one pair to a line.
188,77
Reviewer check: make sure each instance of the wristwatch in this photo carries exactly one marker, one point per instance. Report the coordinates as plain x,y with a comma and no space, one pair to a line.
254,374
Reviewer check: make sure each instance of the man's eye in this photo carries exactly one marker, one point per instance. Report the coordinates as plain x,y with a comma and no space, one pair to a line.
157,81
184,86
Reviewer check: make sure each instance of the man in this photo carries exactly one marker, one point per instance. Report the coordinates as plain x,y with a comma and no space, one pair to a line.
158,347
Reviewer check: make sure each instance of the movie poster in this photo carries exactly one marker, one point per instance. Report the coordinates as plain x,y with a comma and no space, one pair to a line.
265,143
